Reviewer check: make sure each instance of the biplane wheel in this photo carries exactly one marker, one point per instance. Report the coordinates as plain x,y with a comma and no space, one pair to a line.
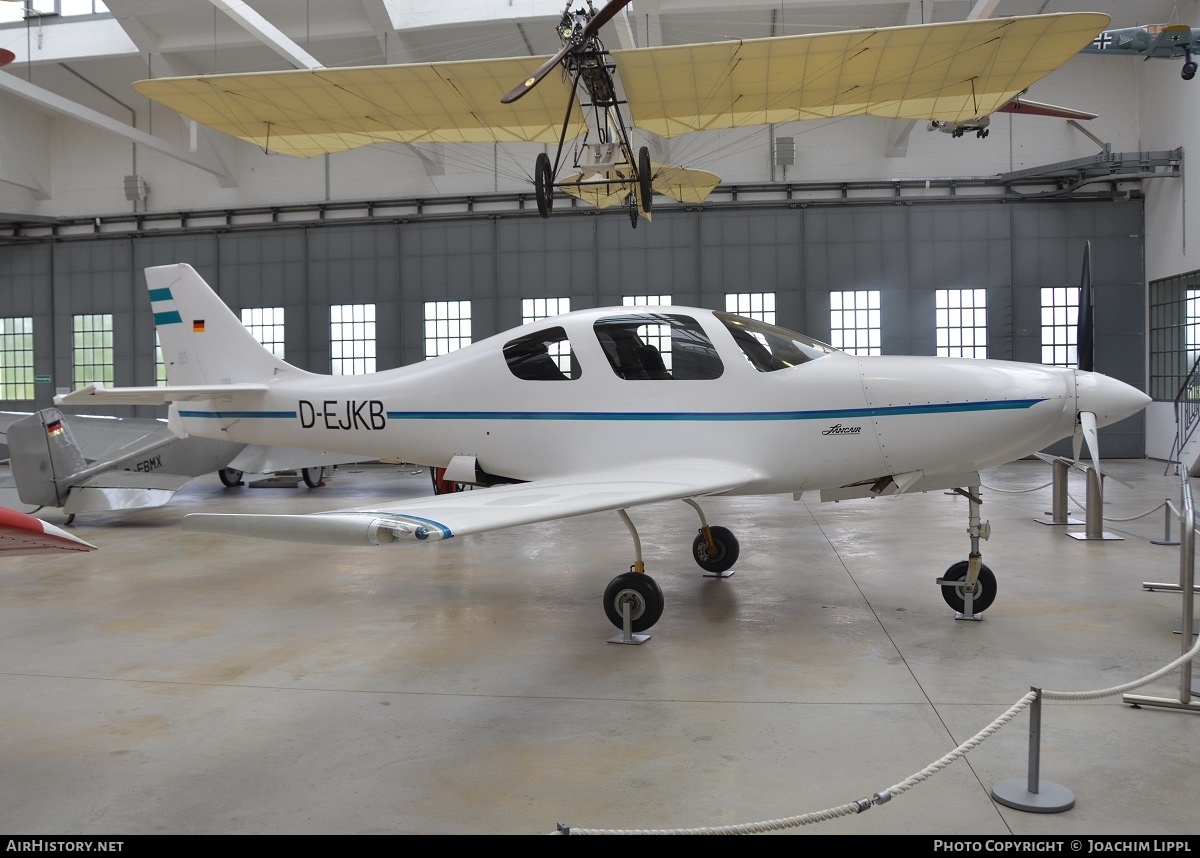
314,477
230,477
1189,71
543,184
985,588
632,202
643,595
645,186
725,553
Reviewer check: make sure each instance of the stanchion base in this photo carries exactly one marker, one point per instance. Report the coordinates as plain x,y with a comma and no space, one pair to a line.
631,639
1083,536
1050,797
1137,701
1052,521
728,574
1179,627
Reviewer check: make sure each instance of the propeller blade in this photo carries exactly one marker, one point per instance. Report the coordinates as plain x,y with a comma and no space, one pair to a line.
604,16
535,78
1087,422
598,20
1084,327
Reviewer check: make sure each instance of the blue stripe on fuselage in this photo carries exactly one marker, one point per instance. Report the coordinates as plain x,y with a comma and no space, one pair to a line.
677,416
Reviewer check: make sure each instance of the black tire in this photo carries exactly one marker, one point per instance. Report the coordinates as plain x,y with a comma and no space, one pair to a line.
1189,71
985,588
727,550
314,477
543,184
645,185
646,597
230,477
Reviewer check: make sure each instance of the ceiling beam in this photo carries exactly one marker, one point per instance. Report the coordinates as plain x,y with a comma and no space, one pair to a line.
267,33
57,104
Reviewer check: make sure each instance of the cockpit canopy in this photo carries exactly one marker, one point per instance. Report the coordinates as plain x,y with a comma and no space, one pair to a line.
660,346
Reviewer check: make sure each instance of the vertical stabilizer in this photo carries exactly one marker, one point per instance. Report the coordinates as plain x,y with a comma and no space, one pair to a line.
202,341
44,458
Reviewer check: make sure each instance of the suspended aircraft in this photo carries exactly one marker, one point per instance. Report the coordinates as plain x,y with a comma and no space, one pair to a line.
608,409
94,464
1019,105
1162,41
956,72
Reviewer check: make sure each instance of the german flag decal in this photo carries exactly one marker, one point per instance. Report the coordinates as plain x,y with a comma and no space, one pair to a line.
198,326
55,428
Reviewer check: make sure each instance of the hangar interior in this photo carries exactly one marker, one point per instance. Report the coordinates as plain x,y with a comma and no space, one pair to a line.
247,689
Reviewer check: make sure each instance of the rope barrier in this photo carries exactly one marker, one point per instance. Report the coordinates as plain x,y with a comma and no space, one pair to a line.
886,795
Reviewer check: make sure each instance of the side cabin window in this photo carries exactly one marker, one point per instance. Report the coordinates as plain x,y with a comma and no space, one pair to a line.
769,348
658,346
542,356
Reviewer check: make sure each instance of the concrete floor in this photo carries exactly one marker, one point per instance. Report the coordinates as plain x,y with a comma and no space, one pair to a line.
176,683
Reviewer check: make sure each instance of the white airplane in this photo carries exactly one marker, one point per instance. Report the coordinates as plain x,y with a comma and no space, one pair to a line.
614,408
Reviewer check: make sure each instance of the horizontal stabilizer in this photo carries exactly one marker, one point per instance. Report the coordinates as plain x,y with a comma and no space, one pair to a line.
98,394
432,518
613,186
24,534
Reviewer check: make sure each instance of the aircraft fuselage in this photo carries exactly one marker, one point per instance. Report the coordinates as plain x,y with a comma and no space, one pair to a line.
829,420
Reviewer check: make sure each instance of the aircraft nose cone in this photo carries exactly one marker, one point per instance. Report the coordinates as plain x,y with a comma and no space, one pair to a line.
1110,400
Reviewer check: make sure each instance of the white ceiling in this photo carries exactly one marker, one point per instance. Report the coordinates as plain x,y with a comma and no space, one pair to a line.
180,37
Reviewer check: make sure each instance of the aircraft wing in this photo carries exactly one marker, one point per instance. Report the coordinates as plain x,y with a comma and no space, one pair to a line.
23,534
1040,108
444,516
305,112
98,394
948,72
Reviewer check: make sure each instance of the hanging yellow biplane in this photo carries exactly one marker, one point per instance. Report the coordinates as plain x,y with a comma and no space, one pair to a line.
955,72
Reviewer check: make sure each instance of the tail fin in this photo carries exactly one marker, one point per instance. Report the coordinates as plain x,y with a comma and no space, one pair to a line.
44,458
202,341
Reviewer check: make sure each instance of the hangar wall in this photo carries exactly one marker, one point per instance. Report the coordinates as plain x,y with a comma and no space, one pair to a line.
801,254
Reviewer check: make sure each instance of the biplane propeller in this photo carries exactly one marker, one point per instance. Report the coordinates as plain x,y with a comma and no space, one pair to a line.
950,73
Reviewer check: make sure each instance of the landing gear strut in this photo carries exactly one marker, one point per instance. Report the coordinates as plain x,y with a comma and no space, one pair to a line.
968,586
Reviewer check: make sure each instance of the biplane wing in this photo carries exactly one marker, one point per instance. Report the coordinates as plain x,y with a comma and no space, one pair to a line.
314,112
946,72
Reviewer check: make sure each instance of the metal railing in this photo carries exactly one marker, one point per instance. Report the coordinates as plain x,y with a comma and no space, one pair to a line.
1187,413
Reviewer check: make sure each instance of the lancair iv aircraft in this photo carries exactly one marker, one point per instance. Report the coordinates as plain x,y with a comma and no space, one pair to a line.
615,408
955,73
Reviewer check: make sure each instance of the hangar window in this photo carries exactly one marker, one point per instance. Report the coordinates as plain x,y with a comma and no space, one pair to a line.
1060,315
536,309
542,356
266,324
92,348
658,346
961,322
352,338
752,305
447,327
16,358
769,348
854,321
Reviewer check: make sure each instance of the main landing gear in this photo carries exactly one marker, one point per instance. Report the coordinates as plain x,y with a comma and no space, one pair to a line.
633,600
969,587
